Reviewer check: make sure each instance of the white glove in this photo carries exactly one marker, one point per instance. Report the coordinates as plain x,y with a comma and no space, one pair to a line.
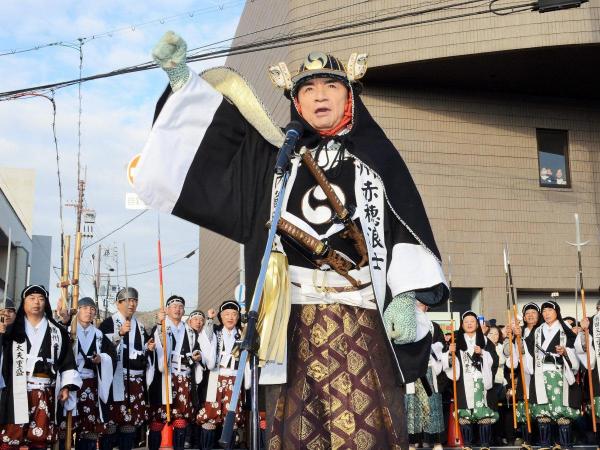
170,54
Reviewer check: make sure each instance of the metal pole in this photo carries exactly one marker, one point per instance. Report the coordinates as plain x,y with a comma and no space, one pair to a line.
454,360
7,272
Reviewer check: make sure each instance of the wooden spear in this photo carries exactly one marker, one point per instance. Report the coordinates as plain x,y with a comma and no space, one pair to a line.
518,339
580,244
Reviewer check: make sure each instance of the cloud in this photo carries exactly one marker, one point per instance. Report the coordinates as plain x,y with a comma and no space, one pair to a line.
116,116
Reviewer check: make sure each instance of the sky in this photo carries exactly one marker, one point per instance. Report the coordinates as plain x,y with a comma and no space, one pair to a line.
115,121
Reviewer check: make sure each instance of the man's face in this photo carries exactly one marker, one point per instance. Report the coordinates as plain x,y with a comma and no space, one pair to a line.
469,324
196,322
493,335
128,307
34,304
229,318
549,315
9,316
86,314
322,101
175,311
531,317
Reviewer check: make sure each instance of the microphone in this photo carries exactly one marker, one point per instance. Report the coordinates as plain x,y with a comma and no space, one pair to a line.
293,132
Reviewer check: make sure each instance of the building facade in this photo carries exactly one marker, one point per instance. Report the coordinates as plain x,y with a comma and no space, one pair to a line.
497,117
16,212
29,253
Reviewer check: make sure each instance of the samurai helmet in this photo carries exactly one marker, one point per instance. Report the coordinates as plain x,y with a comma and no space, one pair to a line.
318,64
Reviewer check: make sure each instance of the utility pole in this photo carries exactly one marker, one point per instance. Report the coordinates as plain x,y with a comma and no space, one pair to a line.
97,257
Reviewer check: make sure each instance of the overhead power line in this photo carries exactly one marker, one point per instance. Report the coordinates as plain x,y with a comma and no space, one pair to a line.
115,230
299,38
125,29
186,256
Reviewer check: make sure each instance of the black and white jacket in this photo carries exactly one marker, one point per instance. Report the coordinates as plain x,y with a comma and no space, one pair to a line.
540,356
90,342
182,342
35,357
131,352
209,160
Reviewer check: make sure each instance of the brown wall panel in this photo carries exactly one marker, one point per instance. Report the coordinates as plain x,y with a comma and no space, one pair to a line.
472,154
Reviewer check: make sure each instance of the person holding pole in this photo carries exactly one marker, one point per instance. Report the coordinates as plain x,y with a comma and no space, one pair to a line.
551,361
96,361
592,325
38,368
531,320
185,353
127,401
222,376
475,365
364,256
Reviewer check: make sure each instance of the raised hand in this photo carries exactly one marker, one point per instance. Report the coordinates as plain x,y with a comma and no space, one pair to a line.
170,54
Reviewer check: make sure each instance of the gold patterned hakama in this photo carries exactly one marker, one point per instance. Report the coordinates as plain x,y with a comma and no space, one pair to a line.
342,390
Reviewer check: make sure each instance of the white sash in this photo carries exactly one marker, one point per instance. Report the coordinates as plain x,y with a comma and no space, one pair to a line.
468,378
85,343
370,198
567,373
36,339
178,334
118,384
19,380
596,335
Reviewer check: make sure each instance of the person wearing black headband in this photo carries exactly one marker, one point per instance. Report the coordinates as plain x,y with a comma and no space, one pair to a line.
222,376
128,406
195,321
551,360
381,235
592,324
37,363
185,353
531,320
475,371
96,361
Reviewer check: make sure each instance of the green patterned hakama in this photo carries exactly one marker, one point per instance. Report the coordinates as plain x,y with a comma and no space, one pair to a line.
481,410
423,413
555,409
521,418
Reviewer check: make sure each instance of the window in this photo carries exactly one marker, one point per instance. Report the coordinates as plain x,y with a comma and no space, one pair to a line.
553,158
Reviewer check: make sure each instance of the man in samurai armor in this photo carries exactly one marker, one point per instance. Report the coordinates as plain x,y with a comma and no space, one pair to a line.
339,313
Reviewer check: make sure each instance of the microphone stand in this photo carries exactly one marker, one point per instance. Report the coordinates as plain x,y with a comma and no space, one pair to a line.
249,345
